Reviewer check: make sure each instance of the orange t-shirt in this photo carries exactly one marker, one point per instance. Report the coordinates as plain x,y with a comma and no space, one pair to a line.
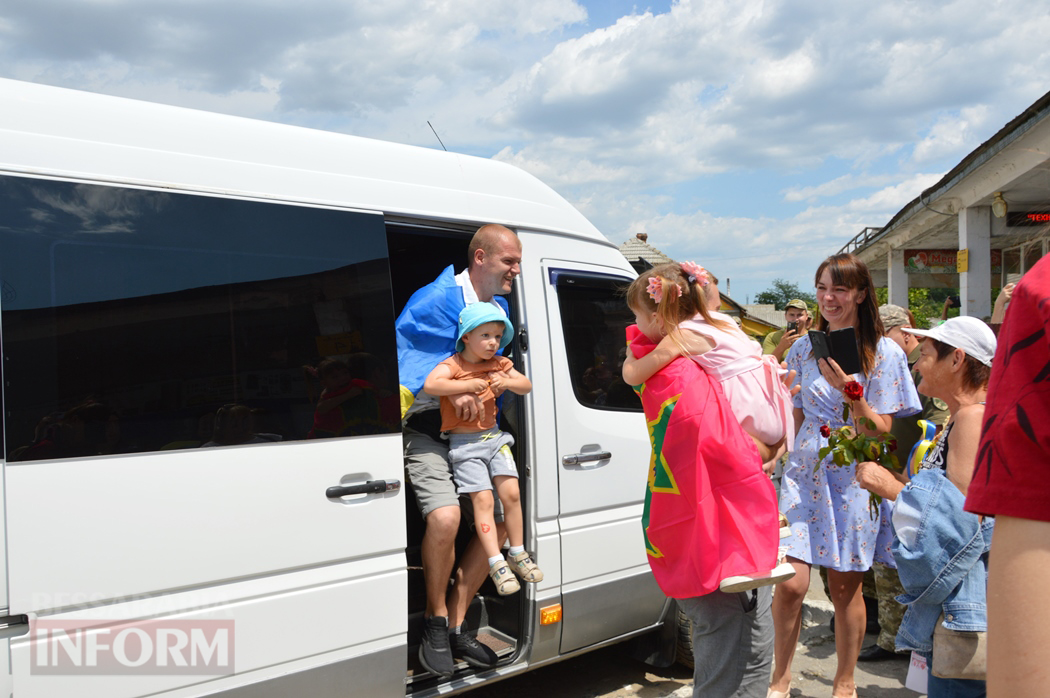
463,369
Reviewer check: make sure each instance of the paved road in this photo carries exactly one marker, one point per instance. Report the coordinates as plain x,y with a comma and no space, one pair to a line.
610,673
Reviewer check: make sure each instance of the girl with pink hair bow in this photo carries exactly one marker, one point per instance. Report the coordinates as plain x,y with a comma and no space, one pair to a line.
672,304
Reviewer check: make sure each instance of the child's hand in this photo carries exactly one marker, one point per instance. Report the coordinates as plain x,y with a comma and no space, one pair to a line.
497,380
789,380
474,385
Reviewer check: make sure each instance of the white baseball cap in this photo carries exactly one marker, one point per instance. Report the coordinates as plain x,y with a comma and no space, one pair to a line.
971,335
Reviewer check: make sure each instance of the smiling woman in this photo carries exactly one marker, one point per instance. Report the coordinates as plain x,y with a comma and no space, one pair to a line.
826,508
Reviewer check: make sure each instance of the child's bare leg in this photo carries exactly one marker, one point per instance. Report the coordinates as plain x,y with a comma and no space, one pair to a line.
510,497
520,560
485,522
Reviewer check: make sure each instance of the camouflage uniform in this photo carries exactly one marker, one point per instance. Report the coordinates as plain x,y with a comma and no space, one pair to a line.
887,587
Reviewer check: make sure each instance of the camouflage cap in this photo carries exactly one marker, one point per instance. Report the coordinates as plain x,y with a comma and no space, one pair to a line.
893,316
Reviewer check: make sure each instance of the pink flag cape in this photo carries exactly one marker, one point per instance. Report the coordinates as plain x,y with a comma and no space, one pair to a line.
710,512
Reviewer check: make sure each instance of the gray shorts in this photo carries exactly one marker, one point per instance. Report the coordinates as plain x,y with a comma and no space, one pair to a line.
479,457
430,474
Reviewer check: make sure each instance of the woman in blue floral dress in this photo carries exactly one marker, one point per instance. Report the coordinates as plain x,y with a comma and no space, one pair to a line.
827,510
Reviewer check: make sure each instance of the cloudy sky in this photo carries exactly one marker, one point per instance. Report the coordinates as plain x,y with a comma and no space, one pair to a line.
753,136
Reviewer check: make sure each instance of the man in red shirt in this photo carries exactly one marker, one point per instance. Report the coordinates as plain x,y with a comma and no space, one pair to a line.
1012,482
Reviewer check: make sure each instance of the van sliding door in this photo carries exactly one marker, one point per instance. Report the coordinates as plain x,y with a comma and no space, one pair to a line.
603,448
202,447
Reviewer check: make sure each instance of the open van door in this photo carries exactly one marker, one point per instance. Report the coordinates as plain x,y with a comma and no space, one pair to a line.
181,512
603,448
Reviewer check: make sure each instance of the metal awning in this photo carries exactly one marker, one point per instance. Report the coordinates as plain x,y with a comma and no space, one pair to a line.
1015,161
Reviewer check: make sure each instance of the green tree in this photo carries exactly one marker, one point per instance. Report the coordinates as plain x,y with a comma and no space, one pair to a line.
783,291
926,304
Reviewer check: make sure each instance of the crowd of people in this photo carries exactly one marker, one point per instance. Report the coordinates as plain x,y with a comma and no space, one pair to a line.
900,468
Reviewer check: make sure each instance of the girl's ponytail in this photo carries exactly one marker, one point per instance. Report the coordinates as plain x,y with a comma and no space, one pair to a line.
670,308
675,292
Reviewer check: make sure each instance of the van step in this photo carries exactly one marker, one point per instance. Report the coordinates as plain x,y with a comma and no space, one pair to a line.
503,645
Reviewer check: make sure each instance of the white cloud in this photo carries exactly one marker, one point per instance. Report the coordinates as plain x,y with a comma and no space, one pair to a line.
839,185
632,122
953,134
780,87
891,199
326,55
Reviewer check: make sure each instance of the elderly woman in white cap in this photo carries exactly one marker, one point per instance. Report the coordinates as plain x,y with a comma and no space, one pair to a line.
942,551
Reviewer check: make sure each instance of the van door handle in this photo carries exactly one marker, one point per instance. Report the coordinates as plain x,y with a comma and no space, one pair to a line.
577,458
370,487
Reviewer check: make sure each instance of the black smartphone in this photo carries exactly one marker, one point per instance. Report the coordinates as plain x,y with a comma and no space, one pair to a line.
792,326
844,349
819,340
956,303
840,345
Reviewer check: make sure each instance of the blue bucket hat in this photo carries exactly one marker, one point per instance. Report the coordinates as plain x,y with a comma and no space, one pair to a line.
477,314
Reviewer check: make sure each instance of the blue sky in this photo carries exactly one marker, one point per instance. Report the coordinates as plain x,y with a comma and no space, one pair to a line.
754,137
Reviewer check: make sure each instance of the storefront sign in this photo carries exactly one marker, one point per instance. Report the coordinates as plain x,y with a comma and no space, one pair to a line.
1027,218
944,261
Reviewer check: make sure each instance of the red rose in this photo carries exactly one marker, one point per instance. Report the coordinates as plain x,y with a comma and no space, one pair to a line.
892,445
825,430
853,390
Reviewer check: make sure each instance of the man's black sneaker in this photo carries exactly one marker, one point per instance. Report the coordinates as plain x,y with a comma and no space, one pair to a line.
434,653
474,653
875,653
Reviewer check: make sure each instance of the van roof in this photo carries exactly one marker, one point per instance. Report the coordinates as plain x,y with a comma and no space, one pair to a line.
53,131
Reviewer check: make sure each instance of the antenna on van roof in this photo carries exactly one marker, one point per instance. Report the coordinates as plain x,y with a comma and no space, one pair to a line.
436,135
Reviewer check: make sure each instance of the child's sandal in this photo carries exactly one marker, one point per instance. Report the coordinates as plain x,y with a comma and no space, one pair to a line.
505,582
525,568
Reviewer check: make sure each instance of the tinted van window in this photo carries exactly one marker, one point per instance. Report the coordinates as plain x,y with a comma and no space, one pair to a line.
594,316
141,320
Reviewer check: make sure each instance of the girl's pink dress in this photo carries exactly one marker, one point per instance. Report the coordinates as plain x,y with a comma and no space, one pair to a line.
749,378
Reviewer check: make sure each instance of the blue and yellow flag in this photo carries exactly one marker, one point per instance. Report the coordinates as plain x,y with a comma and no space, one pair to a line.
426,332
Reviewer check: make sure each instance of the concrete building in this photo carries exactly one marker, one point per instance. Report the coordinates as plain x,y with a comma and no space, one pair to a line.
767,312
981,226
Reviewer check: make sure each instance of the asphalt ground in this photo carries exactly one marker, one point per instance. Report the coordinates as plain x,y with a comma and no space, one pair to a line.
611,673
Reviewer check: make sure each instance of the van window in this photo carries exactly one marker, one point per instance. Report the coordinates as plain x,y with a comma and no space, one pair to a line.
138,320
594,316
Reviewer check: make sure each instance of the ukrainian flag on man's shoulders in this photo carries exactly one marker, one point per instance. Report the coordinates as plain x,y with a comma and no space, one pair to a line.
427,330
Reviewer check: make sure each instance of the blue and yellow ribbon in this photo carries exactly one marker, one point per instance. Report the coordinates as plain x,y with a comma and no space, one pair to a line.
921,447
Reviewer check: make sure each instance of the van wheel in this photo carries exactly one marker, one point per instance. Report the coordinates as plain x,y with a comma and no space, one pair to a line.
683,639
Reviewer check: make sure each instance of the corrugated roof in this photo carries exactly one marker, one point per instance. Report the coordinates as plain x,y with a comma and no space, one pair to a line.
636,248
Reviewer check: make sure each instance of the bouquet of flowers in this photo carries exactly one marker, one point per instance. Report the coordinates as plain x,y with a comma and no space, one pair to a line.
847,444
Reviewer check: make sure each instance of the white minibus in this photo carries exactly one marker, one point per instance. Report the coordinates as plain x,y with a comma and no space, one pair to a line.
177,520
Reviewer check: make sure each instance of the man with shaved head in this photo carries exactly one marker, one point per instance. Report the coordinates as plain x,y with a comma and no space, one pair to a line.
426,335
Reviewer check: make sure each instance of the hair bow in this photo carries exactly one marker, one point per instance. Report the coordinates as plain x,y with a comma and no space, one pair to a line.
655,289
696,273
